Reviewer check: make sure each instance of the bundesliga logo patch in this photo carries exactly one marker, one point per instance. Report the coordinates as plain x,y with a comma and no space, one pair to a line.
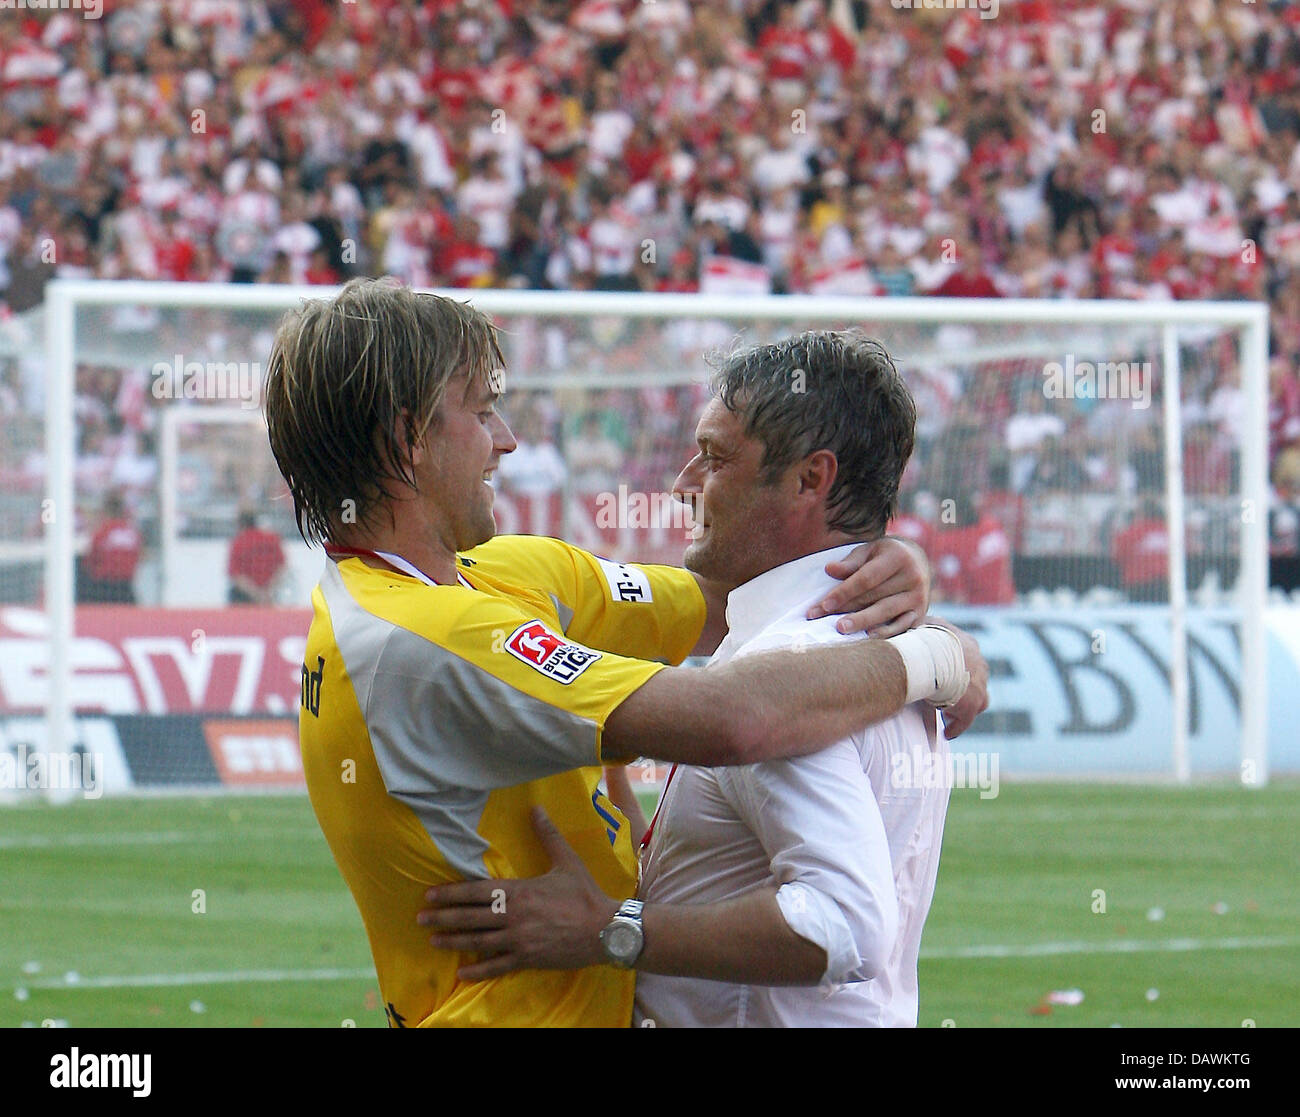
553,656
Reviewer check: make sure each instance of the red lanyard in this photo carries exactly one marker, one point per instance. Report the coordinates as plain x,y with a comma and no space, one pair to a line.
645,842
395,561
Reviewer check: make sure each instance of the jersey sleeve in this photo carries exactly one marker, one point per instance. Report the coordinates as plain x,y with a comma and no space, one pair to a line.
472,692
630,609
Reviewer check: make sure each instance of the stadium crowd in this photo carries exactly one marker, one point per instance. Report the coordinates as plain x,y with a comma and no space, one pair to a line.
1121,149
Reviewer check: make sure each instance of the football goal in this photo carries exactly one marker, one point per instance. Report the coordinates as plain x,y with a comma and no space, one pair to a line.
1089,478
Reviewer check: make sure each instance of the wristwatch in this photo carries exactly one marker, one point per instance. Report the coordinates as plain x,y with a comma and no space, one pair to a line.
623,938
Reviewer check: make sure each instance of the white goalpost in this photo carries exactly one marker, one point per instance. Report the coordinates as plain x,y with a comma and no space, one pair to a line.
580,345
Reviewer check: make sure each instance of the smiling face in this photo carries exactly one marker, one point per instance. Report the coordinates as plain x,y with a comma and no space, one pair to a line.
741,518
463,449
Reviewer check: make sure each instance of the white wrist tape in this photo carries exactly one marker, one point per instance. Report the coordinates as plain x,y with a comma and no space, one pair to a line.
935,664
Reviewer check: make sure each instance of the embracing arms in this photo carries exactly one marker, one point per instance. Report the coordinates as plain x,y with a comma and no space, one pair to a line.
554,922
787,703
885,590
829,915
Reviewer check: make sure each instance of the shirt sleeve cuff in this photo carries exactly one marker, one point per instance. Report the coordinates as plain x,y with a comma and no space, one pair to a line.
814,916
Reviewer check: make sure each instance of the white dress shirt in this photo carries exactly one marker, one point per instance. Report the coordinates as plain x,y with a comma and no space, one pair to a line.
855,856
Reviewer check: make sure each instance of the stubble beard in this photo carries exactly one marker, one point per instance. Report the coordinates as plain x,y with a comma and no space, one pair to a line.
703,558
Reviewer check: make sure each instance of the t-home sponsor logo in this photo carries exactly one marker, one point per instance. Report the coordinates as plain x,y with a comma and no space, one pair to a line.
26,769
1129,380
182,379
89,9
87,1070
988,9
923,769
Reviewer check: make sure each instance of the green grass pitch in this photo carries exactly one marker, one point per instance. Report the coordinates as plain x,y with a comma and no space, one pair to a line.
1200,927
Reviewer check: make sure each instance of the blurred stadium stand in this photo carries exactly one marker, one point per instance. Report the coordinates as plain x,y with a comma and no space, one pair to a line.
1068,150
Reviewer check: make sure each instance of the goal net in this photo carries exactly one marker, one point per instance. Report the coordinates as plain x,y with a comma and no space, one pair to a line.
1089,481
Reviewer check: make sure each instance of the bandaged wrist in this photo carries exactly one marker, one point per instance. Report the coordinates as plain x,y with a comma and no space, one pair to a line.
935,664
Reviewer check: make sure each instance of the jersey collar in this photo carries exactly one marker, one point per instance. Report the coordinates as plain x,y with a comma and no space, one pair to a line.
395,561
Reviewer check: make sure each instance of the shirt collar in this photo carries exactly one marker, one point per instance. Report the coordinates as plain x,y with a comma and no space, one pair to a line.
774,593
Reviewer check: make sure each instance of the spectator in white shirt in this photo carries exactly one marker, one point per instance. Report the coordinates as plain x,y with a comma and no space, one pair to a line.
296,238
432,154
610,126
939,155
251,171
536,468
778,226
1032,423
488,198
343,201
718,203
613,245
1022,201
781,166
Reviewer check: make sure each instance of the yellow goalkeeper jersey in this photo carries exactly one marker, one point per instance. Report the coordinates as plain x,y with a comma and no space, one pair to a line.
434,717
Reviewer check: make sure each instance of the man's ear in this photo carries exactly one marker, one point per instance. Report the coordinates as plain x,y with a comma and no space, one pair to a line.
817,473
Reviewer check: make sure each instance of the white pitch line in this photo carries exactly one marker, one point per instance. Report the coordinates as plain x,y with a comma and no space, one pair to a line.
1018,815
215,977
1121,946
1029,950
48,841
144,838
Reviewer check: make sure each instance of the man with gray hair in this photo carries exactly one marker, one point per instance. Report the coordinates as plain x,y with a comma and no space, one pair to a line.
801,453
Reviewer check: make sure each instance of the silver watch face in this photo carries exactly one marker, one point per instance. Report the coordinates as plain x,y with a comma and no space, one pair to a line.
623,940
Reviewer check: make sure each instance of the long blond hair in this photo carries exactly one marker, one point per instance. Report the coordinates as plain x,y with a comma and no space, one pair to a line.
347,376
